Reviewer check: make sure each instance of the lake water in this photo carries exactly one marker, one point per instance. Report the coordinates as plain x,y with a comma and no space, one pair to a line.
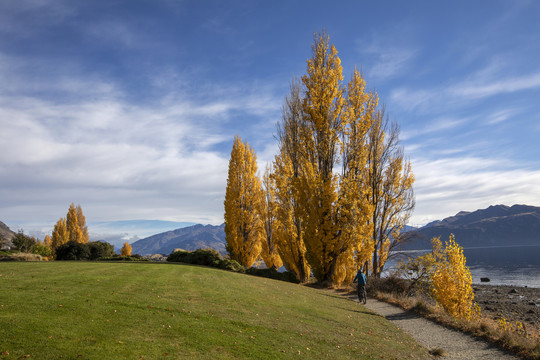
508,265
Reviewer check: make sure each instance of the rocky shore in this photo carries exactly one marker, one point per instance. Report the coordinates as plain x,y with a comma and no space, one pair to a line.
510,302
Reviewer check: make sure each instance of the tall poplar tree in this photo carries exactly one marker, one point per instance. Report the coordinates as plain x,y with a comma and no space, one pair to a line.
338,221
243,225
268,212
322,109
390,180
287,171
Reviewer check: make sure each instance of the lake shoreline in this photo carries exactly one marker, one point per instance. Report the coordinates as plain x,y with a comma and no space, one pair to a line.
513,303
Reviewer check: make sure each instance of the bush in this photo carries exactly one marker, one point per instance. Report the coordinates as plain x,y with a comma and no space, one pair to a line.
273,274
22,257
231,265
206,257
23,242
93,250
179,256
391,285
100,249
42,249
73,250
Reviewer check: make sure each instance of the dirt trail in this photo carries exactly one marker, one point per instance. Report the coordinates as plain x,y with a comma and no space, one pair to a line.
433,336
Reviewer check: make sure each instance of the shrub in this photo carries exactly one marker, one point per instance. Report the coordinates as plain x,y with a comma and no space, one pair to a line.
22,257
231,265
93,250
452,281
42,249
100,249
206,257
23,242
273,274
179,256
392,285
73,250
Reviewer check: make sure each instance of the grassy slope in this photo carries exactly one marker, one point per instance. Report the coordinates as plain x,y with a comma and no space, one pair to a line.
140,310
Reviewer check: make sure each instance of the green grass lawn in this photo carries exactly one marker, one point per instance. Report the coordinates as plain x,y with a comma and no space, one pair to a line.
91,310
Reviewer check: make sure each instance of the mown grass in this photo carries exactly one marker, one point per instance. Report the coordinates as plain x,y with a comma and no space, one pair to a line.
88,310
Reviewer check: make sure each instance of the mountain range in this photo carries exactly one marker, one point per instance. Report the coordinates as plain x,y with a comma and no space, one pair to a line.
187,238
498,225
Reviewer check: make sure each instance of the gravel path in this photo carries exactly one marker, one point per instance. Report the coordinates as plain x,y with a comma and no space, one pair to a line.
433,336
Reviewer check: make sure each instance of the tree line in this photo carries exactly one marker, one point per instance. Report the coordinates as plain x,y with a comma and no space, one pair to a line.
69,241
338,192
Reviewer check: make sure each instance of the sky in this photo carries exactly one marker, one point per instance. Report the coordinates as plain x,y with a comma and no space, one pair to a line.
129,108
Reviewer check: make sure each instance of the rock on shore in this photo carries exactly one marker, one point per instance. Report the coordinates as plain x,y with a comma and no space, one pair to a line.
510,302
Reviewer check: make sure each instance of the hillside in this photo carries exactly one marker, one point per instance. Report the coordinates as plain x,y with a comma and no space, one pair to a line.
93,310
6,234
498,225
188,238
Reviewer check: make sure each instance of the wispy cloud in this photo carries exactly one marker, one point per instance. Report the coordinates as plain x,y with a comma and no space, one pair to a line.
474,89
119,159
447,186
434,126
487,82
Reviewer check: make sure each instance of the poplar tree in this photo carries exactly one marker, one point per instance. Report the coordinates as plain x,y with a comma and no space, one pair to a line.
354,246
243,225
322,109
60,234
390,180
71,228
81,221
72,223
287,171
268,212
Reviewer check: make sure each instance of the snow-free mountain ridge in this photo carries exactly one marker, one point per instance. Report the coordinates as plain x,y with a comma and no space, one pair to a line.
497,225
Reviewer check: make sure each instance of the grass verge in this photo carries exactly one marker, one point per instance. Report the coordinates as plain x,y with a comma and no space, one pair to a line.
91,310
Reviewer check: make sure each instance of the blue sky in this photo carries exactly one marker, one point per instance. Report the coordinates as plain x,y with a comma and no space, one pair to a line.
129,108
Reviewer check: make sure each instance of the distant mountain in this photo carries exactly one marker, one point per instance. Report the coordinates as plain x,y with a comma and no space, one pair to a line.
498,225
6,234
187,238
118,232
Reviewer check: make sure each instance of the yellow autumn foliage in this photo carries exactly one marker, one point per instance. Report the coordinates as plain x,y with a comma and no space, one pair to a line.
243,225
268,212
451,279
71,228
126,249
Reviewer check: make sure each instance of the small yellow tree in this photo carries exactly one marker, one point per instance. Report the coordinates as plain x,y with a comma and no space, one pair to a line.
126,249
451,280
